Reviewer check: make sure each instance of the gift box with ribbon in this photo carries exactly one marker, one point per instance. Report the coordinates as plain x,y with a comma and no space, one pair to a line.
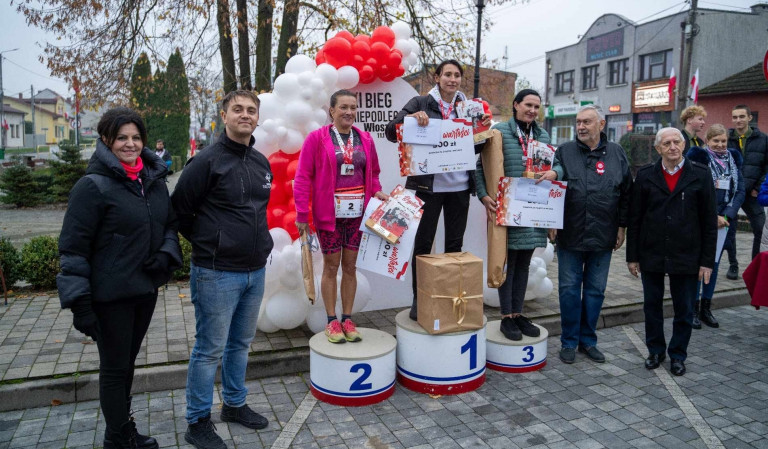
450,292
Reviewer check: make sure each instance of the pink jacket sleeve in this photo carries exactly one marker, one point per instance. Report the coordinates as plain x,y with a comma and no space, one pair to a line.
375,169
305,174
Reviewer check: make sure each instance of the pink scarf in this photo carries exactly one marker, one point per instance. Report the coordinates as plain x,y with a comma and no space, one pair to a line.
133,172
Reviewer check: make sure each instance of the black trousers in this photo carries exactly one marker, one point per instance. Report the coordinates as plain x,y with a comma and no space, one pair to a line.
512,291
454,206
123,327
683,289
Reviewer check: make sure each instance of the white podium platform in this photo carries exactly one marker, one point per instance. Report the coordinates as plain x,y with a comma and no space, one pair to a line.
451,363
528,354
353,374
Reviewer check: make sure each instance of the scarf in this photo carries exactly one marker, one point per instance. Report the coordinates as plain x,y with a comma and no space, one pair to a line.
722,166
133,172
458,96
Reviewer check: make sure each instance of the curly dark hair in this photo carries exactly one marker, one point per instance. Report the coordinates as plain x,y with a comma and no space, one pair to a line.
114,118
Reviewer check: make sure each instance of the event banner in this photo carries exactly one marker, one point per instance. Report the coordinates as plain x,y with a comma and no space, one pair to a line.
377,255
523,202
454,152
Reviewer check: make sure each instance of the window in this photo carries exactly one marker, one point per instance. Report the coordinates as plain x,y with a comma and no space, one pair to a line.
655,65
618,72
564,82
589,77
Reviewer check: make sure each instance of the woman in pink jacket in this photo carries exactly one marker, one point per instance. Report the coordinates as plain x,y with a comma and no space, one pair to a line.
338,173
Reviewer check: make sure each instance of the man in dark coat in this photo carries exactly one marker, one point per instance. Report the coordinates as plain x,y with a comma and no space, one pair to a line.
754,147
595,216
672,230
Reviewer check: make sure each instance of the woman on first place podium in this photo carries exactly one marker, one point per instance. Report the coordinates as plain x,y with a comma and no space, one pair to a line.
448,192
339,168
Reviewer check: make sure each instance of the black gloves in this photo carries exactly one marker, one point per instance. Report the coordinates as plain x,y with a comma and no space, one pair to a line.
84,319
158,267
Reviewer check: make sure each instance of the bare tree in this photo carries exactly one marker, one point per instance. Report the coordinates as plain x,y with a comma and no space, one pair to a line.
263,69
243,45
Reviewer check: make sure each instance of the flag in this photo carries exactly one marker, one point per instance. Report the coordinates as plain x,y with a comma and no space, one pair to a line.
5,124
672,85
695,87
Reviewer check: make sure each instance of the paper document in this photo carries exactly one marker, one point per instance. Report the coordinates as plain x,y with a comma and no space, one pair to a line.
423,135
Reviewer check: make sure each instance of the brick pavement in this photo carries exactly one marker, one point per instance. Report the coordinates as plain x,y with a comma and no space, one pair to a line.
618,404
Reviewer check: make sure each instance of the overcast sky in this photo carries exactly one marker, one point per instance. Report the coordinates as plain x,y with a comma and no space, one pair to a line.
528,28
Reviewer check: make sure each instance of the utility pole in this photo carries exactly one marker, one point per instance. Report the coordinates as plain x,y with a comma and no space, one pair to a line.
685,70
34,128
2,102
480,6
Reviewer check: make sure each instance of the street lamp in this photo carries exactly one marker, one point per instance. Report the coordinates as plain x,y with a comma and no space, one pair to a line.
2,100
480,6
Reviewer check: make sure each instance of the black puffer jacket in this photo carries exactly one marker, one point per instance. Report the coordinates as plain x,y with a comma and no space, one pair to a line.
673,232
427,104
221,200
111,228
596,205
755,153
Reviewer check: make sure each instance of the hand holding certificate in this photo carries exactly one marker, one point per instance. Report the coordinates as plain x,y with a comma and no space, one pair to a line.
422,135
455,150
522,202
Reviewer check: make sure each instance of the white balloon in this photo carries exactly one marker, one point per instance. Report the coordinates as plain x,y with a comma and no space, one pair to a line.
291,277
362,294
538,262
287,86
280,132
281,238
538,252
292,141
328,74
299,63
544,289
404,46
348,77
411,59
311,126
264,142
287,309
316,319
549,253
274,268
401,29
415,49
305,78
317,83
270,107
320,116
298,112
307,94
491,296
540,273
263,323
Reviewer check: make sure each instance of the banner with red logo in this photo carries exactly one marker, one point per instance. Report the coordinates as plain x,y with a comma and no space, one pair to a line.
382,257
522,202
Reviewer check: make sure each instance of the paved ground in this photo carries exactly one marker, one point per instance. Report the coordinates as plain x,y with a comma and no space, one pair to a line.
721,402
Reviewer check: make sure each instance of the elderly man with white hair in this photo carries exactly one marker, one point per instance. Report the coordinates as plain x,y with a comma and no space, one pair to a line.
672,231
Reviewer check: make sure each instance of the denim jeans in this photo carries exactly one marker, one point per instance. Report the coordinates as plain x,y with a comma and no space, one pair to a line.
579,271
681,286
707,290
226,310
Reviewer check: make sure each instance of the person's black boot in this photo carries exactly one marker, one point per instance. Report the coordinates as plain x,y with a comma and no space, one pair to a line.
706,314
142,441
413,313
696,324
120,438
510,330
733,272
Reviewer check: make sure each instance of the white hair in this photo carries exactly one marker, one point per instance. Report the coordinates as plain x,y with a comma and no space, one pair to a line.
593,107
660,132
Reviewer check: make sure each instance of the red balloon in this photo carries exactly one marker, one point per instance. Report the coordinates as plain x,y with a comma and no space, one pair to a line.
394,50
279,163
289,224
385,35
394,59
357,62
362,49
346,35
363,38
387,77
399,71
290,171
288,188
372,62
291,204
320,57
380,51
337,51
367,75
382,71
275,216
278,195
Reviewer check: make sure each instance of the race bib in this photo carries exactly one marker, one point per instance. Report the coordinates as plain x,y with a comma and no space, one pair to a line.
349,205
724,184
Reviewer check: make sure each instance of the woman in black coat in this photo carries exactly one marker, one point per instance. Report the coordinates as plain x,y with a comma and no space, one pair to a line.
118,245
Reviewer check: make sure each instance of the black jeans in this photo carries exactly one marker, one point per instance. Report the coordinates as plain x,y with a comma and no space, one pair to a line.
512,291
123,327
683,289
454,206
756,215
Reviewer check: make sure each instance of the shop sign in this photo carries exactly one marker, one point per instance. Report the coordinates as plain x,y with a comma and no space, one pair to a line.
614,108
608,45
650,96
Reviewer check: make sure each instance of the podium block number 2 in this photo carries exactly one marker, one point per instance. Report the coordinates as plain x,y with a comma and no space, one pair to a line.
358,384
471,346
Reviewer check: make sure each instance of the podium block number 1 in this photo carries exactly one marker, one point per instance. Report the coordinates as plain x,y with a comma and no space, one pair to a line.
358,384
471,346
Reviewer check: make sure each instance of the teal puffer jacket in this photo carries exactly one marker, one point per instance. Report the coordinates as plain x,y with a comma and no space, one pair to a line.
517,238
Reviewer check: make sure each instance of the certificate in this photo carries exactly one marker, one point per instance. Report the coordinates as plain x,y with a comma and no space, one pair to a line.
519,204
454,152
721,234
423,135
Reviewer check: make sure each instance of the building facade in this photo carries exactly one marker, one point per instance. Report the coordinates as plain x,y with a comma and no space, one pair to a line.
13,120
747,87
625,67
51,115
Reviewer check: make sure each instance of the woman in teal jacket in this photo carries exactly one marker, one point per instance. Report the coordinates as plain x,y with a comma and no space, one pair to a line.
516,133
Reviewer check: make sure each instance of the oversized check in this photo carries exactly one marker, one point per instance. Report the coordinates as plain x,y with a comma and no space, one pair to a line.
454,152
522,202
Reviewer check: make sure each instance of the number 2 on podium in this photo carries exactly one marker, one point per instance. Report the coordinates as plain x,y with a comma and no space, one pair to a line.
471,346
358,384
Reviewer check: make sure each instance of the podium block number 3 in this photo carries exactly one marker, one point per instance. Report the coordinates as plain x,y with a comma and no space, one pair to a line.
529,353
358,384
471,346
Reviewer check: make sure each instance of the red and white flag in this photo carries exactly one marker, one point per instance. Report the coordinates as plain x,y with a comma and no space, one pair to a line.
695,87
672,85
5,124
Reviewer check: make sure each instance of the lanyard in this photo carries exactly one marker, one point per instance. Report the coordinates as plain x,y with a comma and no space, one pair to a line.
524,142
347,149
445,111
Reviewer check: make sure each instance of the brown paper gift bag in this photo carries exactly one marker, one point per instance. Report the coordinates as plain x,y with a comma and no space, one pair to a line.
307,270
493,169
450,292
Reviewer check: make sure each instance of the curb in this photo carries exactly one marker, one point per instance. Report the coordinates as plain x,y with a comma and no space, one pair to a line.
41,392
